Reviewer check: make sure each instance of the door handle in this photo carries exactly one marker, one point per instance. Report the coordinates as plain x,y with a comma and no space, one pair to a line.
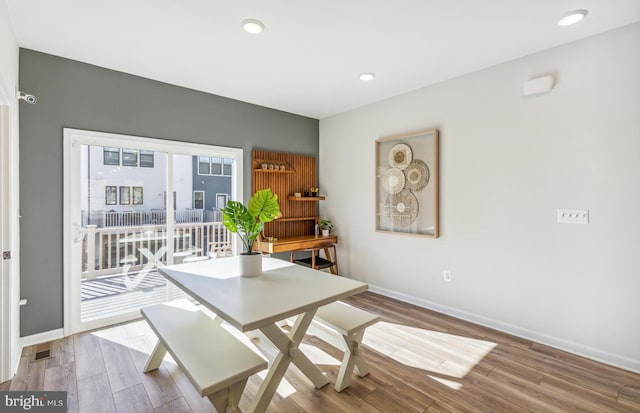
78,233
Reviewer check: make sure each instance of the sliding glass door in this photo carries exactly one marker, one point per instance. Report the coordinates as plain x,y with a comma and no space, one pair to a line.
133,205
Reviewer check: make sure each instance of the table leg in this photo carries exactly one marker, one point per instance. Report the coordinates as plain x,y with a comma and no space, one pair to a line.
287,345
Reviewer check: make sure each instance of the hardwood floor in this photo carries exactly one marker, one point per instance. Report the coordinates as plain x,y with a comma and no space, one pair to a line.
420,361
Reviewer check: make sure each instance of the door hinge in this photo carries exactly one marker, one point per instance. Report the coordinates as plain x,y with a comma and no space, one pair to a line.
6,255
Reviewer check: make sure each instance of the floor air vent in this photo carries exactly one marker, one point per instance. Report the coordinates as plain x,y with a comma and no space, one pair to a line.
43,351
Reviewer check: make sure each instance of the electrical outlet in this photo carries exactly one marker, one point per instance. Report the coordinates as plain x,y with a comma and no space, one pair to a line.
446,275
573,216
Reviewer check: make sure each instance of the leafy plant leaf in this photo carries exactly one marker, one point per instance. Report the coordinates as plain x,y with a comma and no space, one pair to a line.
249,222
264,205
235,216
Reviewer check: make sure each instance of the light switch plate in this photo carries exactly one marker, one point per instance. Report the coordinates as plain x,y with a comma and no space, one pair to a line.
573,216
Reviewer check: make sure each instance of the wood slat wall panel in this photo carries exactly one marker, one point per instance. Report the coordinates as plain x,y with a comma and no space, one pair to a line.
285,184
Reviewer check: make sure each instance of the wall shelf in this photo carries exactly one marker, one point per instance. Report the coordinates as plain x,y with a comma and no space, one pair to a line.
273,171
296,219
305,198
257,166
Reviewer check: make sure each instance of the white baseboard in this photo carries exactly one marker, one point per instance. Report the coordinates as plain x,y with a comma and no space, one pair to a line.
40,338
561,344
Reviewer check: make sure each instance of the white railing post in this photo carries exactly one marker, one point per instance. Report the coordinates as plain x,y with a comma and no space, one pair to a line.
91,252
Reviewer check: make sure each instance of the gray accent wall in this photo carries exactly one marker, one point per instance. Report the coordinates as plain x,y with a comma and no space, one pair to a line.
77,95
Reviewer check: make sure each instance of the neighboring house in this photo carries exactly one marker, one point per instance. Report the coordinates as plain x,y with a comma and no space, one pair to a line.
121,180
211,182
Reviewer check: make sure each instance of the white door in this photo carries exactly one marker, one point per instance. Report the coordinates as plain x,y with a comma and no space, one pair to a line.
120,227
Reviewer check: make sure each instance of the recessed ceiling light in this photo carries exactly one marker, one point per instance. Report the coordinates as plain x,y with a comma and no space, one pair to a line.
253,26
365,77
572,17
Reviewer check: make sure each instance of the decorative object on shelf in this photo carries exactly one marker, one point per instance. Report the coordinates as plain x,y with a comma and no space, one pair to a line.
326,226
313,191
297,195
248,222
271,165
393,181
400,156
417,175
407,184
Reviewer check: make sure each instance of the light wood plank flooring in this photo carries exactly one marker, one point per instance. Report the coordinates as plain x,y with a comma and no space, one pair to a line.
421,361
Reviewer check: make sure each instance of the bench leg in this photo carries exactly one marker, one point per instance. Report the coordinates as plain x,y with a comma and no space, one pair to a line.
227,400
155,358
352,358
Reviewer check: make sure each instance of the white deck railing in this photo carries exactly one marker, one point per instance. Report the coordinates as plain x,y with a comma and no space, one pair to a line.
116,250
148,217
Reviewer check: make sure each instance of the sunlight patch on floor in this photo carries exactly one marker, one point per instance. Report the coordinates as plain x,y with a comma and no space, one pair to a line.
285,389
448,356
449,383
318,356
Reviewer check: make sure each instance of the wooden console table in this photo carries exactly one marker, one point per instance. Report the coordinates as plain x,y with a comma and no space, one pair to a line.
300,242
294,243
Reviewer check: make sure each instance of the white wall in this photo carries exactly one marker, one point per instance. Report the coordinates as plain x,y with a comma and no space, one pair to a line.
506,164
9,240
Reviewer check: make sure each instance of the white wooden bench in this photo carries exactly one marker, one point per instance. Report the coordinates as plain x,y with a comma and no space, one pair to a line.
349,323
217,364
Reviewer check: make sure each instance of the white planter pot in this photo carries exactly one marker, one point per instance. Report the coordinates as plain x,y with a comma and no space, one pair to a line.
250,265
325,232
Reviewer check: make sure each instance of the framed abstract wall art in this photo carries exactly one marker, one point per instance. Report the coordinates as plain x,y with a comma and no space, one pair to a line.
407,184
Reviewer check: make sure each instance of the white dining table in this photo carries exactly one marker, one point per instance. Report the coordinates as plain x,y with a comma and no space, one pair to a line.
283,290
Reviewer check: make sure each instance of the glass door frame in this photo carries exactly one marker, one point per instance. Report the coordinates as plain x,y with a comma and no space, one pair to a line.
73,139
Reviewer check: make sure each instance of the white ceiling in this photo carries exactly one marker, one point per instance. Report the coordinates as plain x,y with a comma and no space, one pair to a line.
309,58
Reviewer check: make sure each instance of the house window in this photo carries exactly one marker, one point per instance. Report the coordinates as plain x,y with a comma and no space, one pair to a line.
227,167
146,159
110,195
129,157
137,195
198,199
216,166
204,166
125,195
111,156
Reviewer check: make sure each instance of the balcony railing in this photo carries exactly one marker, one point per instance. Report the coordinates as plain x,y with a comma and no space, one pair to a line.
150,217
132,248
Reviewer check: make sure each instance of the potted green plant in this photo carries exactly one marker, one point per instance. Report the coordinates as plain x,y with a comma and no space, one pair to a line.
248,221
326,226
